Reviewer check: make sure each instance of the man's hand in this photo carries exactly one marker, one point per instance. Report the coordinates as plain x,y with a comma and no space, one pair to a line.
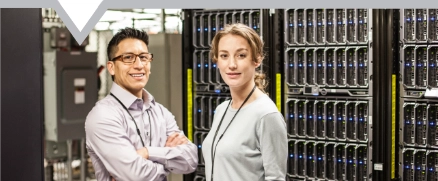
176,139
112,178
143,152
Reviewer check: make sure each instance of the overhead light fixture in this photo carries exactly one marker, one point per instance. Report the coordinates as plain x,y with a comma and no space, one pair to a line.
100,26
112,16
172,11
152,11
137,10
144,16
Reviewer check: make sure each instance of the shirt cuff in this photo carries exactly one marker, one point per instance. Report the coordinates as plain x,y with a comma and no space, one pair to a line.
158,154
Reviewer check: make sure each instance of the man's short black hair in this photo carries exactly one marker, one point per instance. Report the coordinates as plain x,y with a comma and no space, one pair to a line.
123,34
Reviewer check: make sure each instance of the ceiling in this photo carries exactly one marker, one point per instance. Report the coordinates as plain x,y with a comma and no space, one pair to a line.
114,19
149,19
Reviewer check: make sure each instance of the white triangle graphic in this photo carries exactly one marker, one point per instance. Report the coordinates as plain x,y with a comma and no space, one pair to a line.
80,11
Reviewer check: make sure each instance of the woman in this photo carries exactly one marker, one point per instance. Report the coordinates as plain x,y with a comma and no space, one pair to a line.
248,138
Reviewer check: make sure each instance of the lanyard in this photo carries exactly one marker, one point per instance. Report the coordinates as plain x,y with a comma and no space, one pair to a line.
213,153
136,127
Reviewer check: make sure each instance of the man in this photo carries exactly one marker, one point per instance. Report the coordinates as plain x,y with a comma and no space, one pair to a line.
129,136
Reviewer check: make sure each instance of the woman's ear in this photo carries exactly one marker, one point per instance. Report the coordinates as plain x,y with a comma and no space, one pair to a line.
258,61
257,64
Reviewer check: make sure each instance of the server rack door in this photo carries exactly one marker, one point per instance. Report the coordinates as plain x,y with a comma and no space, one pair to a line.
327,83
204,88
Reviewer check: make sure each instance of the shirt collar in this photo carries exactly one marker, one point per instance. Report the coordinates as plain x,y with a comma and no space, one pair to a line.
128,98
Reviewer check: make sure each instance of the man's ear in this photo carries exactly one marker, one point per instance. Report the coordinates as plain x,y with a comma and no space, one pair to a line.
110,67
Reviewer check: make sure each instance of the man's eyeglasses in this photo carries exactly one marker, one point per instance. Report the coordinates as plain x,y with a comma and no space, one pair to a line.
130,58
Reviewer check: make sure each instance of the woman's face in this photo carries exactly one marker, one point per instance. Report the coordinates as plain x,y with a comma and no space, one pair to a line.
235,61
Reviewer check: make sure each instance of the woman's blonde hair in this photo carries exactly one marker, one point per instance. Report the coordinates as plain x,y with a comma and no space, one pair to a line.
255,43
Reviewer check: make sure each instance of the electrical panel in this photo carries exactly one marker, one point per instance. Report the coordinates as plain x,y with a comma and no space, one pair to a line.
418,103
328,93
70,92
207,87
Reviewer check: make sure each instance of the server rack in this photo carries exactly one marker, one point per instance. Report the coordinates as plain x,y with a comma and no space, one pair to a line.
330,75
327,68
203,86
418,105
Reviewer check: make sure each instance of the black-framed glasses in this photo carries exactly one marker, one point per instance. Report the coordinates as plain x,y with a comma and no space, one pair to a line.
130,58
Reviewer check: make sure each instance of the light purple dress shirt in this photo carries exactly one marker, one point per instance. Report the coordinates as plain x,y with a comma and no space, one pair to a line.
112,139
